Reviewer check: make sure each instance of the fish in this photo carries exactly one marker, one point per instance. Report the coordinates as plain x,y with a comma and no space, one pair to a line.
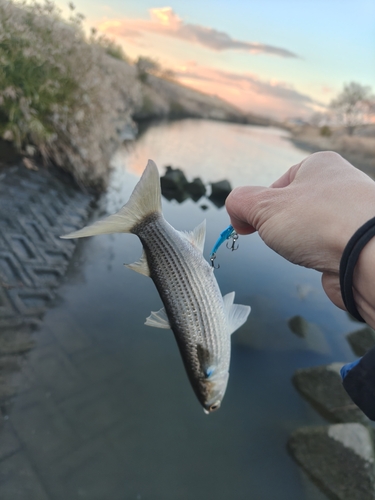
201,319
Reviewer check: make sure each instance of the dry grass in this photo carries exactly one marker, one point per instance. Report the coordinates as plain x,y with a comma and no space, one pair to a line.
358,149
61,95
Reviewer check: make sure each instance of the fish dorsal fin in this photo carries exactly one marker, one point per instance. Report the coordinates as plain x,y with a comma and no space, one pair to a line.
145,200
236,314
141,266
158,319
197,236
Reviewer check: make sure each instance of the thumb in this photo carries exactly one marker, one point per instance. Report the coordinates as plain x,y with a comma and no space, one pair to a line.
241,206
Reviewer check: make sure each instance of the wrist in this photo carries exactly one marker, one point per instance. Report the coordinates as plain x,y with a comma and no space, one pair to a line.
364,283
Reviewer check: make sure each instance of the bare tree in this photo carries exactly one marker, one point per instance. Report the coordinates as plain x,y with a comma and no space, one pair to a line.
353,106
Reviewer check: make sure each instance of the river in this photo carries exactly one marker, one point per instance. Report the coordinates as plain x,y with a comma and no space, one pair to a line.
117,390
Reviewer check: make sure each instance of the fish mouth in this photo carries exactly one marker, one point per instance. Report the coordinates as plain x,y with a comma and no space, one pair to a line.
211,408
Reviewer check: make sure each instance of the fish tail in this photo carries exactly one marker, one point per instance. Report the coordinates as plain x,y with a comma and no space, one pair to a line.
145,200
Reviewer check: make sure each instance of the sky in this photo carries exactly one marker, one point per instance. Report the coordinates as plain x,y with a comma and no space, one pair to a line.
278,58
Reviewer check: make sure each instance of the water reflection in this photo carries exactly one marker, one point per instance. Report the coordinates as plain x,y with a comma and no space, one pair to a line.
175,186
214,151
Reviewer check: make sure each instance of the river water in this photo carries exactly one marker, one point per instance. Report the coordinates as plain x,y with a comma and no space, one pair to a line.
116,389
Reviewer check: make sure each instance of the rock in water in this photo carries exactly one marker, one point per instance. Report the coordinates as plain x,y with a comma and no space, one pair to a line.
219,193
322,387
361,340
196,189
173,184
298,325
339,458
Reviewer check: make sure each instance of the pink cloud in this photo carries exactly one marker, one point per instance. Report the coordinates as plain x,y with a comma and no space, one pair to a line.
164,21
248,91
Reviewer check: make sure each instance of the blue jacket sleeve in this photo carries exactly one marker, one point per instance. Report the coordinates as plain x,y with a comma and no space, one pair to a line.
359,382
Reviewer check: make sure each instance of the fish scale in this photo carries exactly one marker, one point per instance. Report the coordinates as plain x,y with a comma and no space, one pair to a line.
200,318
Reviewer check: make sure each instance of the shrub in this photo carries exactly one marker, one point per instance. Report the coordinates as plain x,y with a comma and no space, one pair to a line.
325,131
60,93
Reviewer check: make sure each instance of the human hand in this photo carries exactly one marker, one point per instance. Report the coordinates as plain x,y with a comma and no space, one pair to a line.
309,215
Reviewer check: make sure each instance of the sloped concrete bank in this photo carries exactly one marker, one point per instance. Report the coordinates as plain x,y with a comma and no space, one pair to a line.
36,207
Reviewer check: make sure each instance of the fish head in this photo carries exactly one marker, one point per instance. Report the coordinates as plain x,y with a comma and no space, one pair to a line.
214,387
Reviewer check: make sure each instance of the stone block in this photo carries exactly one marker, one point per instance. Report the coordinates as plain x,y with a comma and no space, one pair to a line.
322,387
340,458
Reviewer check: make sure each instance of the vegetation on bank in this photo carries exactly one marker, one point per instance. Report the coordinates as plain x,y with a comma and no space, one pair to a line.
357,147
346,127
61,96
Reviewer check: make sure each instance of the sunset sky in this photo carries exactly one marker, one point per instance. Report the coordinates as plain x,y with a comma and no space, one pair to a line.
281,58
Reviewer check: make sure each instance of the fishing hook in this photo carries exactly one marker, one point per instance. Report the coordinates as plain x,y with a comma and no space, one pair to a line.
212,259
234,245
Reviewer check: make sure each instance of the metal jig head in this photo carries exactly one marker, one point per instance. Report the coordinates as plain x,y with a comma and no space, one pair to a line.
227,234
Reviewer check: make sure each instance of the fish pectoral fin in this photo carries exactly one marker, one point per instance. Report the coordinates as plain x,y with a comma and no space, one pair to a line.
158,319
205,360
141,266
236,314
197,236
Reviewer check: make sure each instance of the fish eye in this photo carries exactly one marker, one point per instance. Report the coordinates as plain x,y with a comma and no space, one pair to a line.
215,406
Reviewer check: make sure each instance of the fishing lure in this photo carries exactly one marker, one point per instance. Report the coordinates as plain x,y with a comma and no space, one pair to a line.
227,234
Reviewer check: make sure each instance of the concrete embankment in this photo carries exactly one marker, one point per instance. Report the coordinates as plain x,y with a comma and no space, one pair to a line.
36,207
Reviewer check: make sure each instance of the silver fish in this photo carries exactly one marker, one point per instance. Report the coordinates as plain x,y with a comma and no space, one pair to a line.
200,318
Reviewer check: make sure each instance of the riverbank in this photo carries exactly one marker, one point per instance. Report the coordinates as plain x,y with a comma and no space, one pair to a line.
358,149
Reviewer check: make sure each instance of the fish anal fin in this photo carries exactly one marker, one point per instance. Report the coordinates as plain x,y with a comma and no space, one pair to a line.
158,319
236,314
141,266
197,236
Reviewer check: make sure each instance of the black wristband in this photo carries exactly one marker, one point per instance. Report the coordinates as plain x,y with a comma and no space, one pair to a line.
348,262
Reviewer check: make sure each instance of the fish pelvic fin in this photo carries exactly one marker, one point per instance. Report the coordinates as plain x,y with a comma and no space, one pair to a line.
236,314
145,200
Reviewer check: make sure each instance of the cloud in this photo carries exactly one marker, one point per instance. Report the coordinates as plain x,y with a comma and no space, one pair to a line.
164,21
280,90
248,91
